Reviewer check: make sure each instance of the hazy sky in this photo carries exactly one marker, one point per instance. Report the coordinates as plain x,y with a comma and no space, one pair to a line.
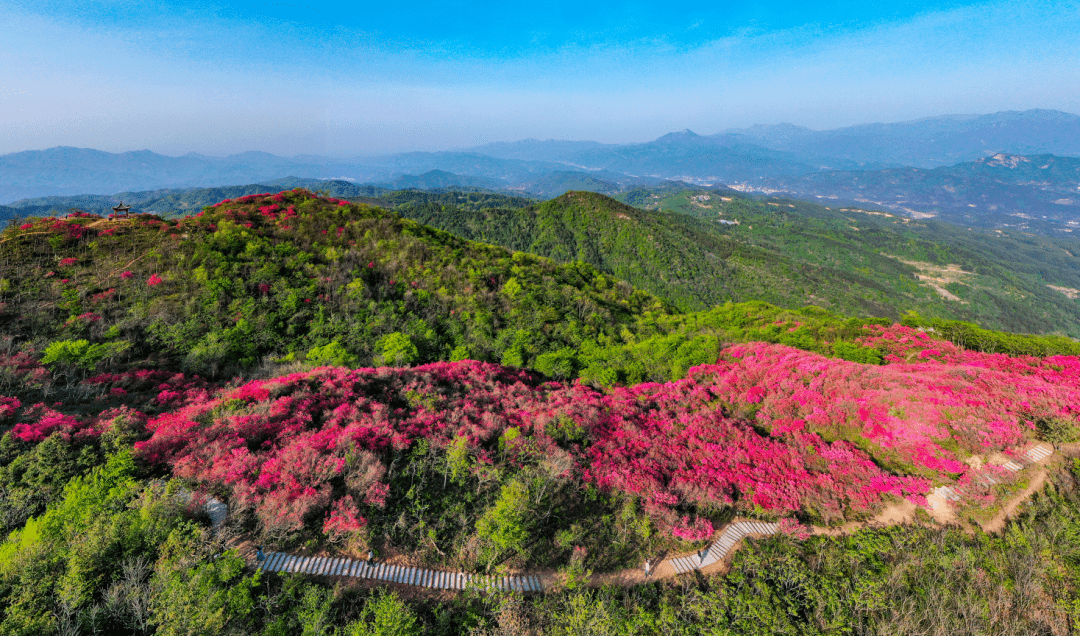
220,77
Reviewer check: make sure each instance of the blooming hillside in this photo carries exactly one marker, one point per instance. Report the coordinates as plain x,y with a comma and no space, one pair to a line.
767,428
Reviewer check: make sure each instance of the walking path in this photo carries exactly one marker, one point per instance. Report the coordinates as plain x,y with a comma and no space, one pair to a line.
942,496
731,535
443,580
436,579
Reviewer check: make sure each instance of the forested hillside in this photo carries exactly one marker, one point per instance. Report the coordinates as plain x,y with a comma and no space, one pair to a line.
727,248
1002,279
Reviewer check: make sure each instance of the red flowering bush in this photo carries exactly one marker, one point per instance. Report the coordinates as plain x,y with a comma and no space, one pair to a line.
792,527
766,428
697,530
42,421
154,280
912,411
153,389
288,447
126,275
104,296
8,407
672,445
343,519
21,371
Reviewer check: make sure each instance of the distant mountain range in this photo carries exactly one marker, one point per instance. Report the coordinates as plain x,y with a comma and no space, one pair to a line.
930,142
923,143
943,166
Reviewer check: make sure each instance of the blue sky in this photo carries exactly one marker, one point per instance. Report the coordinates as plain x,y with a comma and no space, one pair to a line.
362,78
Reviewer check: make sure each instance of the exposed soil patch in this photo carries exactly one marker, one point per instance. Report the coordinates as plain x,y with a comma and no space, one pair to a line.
937,277
1070,292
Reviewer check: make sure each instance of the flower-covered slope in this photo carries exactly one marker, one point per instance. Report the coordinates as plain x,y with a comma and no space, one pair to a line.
766,428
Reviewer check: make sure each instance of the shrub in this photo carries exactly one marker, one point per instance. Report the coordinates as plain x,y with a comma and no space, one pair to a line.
82,354
332,354
506,524
561,364
398,350
385,614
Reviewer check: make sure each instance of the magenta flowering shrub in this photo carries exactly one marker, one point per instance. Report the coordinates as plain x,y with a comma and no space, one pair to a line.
766,429
8,407
154,390
154,280
343,519
104,296
919,412
40,421
696,530
68,261
672,444
791,527
21,370
288,448
126,275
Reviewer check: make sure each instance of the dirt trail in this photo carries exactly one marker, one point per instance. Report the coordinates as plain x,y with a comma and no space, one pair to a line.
997,524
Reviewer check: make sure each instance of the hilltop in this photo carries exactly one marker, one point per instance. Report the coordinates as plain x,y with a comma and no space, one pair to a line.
280,274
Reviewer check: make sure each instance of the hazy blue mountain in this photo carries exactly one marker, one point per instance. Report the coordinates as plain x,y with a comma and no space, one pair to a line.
70,171
464,163
168,202
750,158
685,155
536,150
929,142
440,179
763,151
556,183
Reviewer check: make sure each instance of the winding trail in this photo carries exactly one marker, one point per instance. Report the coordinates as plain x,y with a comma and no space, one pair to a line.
709,560
439,579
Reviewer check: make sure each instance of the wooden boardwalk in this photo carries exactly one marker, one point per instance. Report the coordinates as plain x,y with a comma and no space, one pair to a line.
283,562
1034,454
435,579
720,548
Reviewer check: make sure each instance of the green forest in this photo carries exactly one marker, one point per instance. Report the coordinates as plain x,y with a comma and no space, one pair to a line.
700,248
